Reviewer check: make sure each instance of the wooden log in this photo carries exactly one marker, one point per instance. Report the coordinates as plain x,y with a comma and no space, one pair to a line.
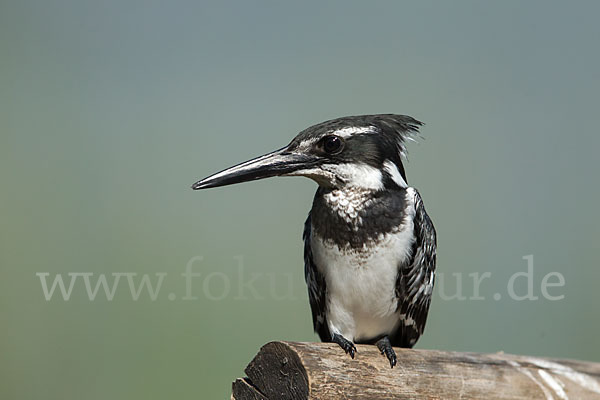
290,370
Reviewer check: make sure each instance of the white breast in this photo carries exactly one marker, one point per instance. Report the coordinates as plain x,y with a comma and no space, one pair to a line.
361,301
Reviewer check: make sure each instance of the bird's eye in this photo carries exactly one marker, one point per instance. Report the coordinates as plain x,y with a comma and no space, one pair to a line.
332,144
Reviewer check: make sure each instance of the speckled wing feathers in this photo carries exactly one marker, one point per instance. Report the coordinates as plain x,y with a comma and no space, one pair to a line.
414,285
316,287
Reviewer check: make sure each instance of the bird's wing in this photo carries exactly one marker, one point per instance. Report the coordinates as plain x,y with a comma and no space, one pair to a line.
414,285
316,287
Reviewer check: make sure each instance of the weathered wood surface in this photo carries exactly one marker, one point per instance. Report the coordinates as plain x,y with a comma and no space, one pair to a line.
290,370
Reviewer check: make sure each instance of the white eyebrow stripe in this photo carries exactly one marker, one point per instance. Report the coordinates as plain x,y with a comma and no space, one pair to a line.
391,168
306,143
353,130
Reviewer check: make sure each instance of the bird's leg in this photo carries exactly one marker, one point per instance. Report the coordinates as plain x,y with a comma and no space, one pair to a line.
385,347
344,343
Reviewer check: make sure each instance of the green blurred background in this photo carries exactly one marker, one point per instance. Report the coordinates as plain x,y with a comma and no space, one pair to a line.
110,110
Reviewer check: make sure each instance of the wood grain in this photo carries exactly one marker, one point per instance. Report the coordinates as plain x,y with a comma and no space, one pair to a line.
292,370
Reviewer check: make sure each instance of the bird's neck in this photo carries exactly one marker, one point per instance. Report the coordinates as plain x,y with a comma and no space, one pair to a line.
354,216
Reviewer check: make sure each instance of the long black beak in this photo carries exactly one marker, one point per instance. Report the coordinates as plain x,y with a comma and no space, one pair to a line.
280,162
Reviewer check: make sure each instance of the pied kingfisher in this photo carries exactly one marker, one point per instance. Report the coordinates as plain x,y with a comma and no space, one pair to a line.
369,245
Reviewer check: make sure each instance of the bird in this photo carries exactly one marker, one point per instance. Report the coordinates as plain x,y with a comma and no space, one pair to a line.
369,244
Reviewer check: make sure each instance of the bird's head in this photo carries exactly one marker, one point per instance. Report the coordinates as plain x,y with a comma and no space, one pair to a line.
362,152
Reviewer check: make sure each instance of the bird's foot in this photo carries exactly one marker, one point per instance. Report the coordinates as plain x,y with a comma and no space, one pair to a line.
345,344
385,347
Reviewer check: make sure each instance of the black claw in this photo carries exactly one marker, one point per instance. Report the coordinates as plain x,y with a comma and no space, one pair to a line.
385,347
392,359
345,344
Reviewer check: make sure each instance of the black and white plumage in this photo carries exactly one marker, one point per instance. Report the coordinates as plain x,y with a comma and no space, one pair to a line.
369,245
381,288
